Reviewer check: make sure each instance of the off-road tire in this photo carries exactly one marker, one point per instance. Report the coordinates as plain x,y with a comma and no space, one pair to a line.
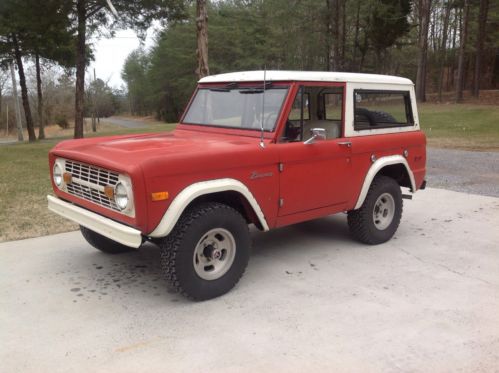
177,250
361,221
102,243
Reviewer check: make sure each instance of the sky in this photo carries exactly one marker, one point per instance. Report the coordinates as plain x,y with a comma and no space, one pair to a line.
110,54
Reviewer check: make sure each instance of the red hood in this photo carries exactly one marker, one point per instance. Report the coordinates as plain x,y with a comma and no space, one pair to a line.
150,151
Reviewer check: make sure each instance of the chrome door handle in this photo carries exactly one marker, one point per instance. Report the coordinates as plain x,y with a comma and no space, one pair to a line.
348,144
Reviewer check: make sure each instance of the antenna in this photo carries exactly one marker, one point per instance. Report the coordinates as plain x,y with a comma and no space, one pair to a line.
262,144
112,8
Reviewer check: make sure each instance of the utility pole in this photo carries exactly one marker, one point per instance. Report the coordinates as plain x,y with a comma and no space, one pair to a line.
94,124
17,108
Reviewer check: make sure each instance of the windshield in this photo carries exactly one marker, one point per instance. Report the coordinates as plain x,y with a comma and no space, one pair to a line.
236,107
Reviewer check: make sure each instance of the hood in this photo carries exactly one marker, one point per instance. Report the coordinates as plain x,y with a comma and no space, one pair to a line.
125,153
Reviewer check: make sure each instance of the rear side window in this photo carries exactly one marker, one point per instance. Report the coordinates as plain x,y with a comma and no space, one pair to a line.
382,109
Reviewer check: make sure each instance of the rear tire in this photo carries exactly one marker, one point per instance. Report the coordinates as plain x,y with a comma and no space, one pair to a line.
377,220
104,244
207,252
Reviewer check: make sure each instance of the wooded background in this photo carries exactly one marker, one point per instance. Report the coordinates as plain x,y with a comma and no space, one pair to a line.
445,46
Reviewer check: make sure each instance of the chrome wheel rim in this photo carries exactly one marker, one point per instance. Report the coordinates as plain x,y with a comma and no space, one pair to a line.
384,210
214,254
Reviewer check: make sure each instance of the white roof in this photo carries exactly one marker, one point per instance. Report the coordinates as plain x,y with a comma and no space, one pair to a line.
319,76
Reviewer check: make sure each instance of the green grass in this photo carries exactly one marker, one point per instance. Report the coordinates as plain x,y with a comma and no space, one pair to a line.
464,126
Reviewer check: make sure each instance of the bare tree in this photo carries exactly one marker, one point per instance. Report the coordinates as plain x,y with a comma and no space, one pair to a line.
24,89
462,50
4,77
41,124
482,21
202,38
333,34
443,48
424,10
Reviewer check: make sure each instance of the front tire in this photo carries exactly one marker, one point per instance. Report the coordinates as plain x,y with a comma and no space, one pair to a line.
377,220
207,252
102,243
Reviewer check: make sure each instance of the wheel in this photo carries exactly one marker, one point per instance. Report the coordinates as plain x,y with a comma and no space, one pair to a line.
102,243
377,220
207,252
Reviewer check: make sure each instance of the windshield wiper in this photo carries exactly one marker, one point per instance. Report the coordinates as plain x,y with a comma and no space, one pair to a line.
249,91
257,89
219,89
227,88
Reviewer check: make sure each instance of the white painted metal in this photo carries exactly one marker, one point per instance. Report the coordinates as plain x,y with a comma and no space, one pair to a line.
378,165
193,191
109,228
349,108
318,76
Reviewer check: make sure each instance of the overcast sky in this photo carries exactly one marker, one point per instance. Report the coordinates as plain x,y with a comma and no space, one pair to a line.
110,54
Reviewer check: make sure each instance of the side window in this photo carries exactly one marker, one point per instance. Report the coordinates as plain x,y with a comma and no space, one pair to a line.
322,108
382,109
295,113
333,106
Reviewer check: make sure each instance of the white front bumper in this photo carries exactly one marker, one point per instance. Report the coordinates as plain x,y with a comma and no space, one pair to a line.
109,228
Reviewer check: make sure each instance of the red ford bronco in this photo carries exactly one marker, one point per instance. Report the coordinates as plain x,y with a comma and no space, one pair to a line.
265,148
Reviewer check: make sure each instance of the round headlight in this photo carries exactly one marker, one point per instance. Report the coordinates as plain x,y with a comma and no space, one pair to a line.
121,196
57,174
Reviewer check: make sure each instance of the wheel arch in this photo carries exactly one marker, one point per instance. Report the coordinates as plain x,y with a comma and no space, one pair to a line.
394,166
228,191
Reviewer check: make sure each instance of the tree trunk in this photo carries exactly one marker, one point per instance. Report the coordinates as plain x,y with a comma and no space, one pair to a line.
482,21
202,38
17,109
24,90
356,38
41,124
343,33
333,34
424,22
462,50
443,49
80,68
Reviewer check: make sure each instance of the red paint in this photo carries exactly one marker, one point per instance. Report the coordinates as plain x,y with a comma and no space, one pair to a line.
317,180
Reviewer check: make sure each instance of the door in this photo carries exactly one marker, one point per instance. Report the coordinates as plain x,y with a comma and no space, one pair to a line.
315,175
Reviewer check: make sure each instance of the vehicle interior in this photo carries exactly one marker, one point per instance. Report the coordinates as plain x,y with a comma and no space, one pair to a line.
315,107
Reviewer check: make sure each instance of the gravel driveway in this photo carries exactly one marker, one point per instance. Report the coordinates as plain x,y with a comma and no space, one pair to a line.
464,171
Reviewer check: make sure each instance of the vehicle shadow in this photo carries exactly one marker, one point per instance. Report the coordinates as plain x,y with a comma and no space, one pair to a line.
138,274
331,230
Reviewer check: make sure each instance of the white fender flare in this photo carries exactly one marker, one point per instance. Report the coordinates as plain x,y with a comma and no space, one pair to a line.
193,191
373,171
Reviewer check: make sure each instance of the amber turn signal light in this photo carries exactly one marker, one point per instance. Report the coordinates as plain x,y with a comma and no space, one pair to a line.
68,178
109,191
159,196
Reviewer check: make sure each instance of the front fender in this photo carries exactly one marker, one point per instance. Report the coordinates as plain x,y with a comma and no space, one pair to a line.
186,196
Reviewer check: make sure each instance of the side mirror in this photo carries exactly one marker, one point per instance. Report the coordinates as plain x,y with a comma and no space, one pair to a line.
317,134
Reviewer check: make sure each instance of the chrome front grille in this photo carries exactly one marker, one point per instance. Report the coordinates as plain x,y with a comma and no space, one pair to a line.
91,174
88,183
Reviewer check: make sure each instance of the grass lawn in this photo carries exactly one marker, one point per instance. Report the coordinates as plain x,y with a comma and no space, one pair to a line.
464,126
24,180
